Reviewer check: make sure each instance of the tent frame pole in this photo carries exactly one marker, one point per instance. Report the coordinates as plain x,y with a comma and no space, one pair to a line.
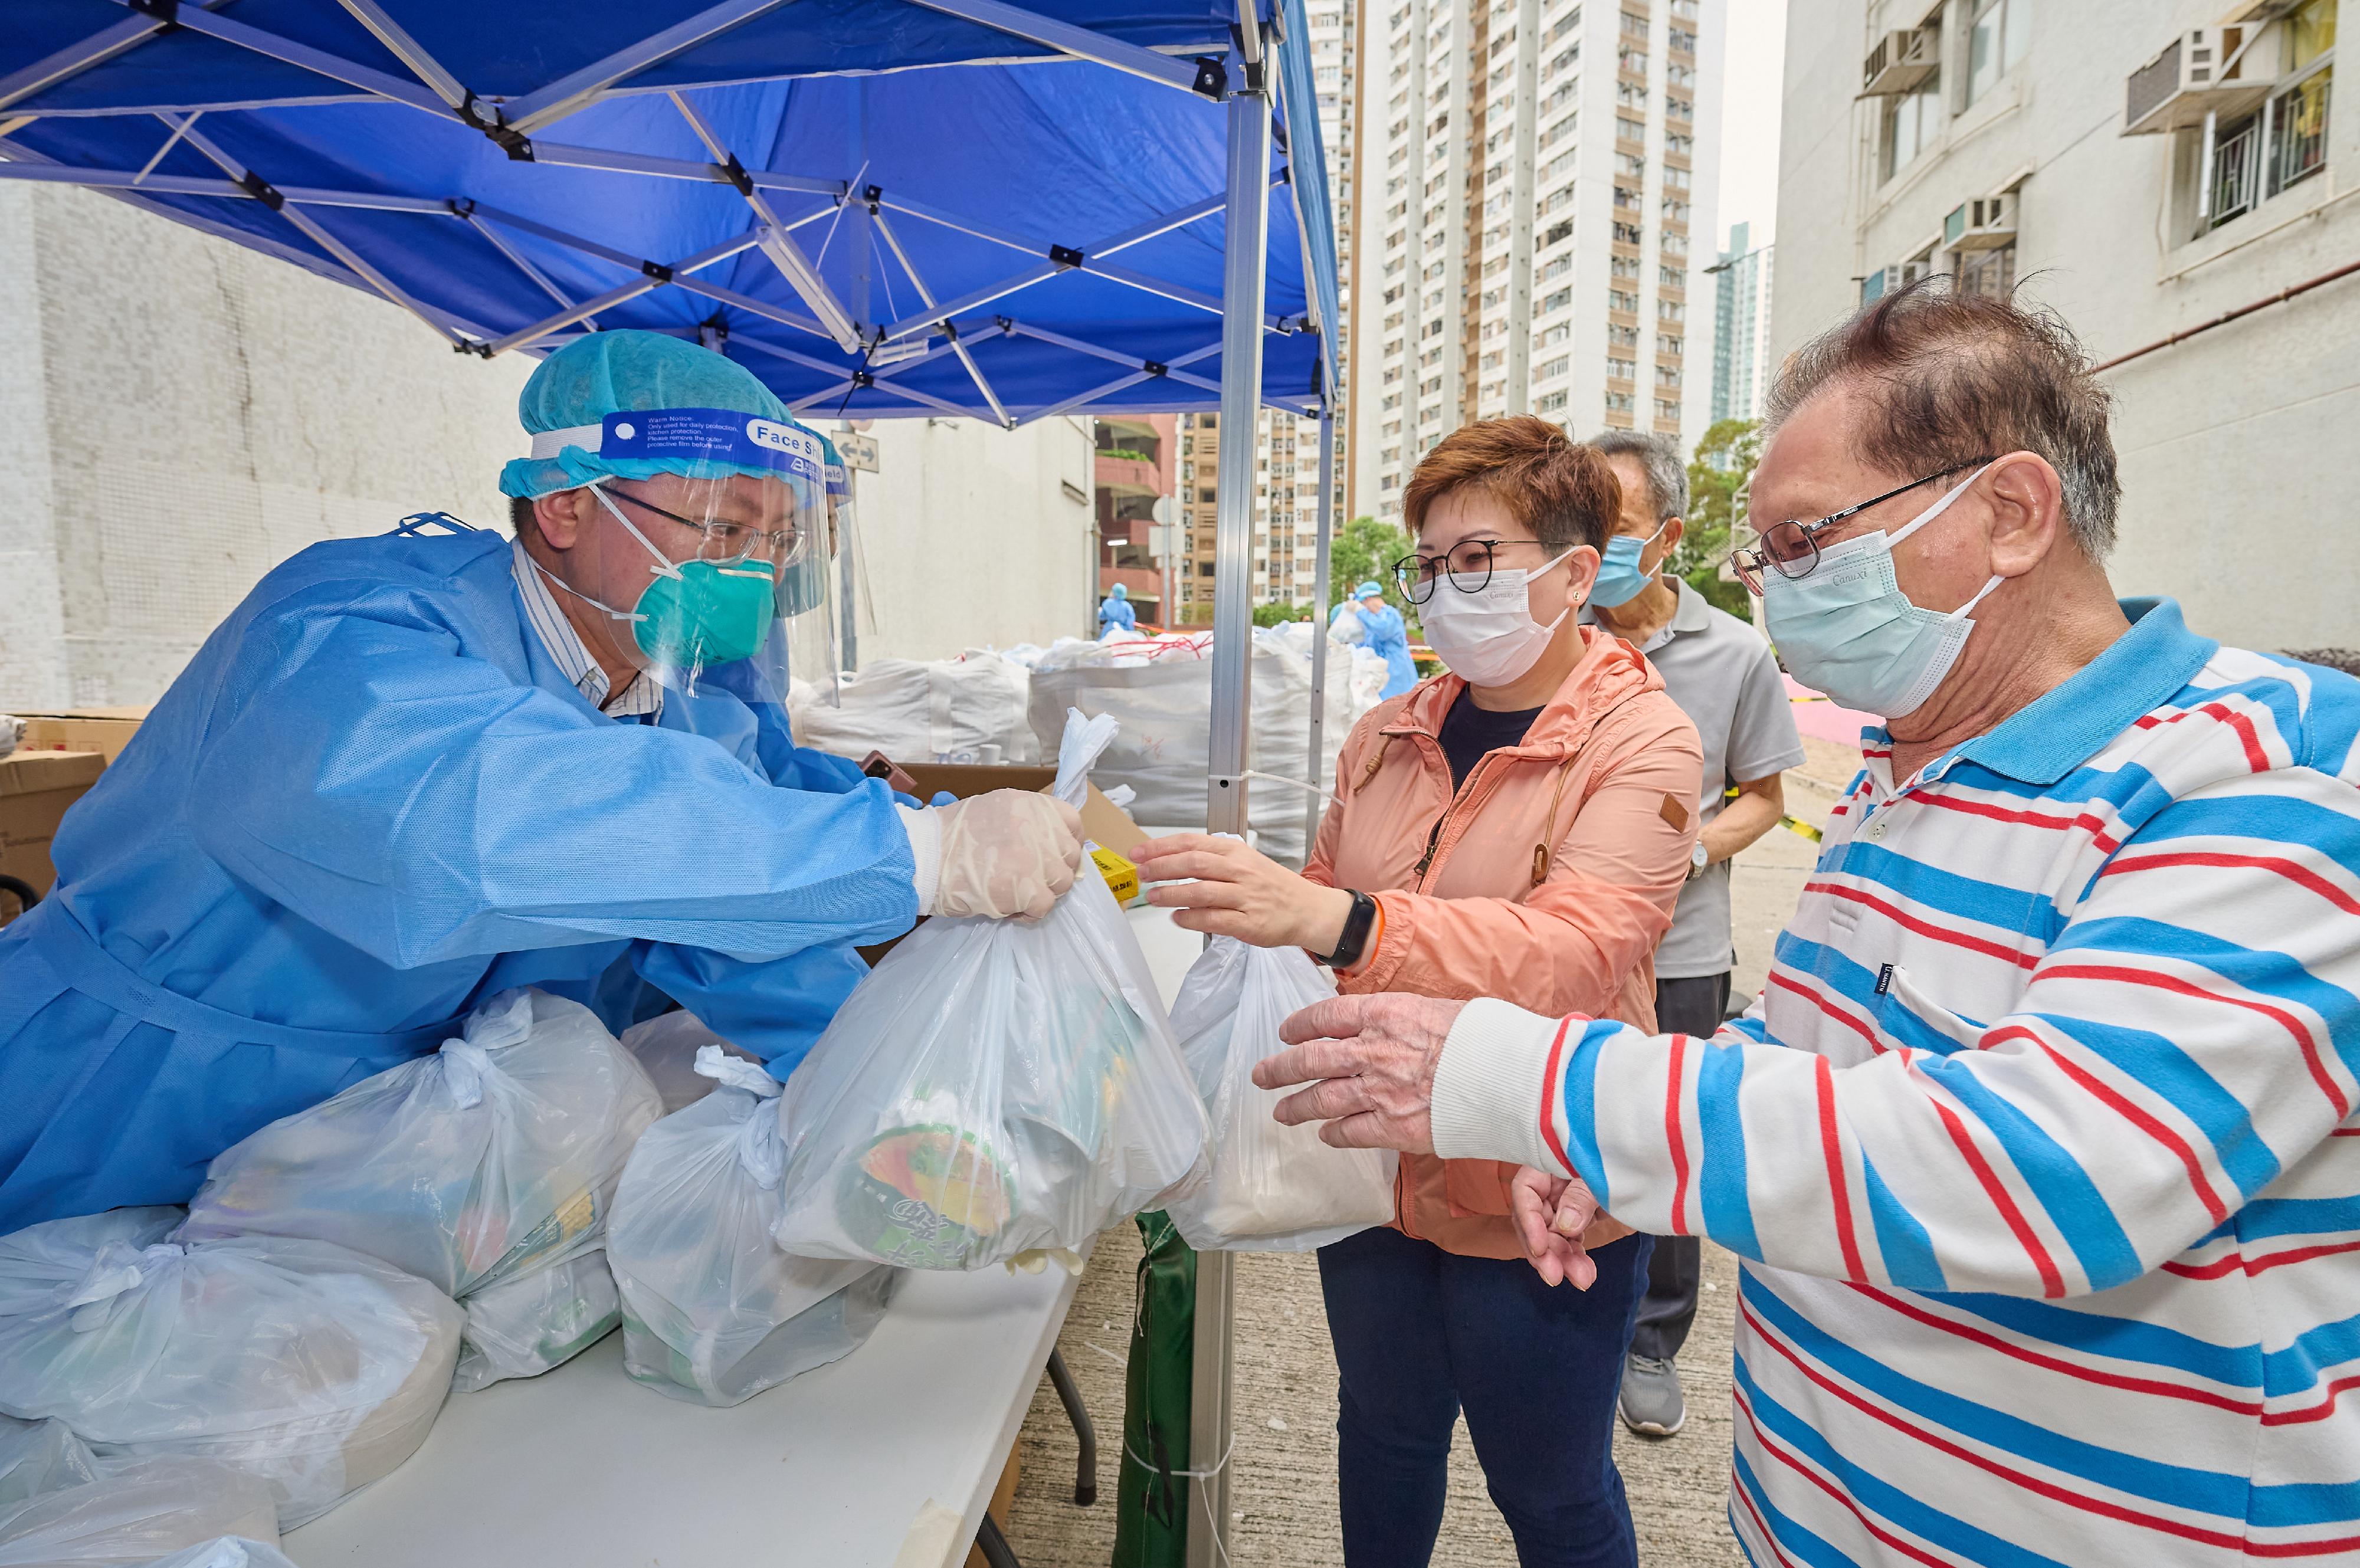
1242,284
1319,587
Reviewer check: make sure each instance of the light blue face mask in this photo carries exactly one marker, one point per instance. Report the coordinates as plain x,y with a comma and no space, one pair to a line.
1619,581
1848,629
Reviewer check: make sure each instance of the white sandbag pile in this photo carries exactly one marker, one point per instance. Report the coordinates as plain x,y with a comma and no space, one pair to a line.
970,709
485,1169
713,1312
315,1367
1160,689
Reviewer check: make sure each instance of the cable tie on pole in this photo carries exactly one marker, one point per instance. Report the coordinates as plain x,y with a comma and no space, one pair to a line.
262,190
1067,258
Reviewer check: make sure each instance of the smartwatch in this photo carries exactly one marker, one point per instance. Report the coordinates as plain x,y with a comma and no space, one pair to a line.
1355,934
1699,862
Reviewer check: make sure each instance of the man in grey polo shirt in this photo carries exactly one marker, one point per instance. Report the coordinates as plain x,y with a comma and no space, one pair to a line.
1726,680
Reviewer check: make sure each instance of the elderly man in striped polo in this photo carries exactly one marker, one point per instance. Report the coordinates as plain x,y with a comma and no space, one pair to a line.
2040,1145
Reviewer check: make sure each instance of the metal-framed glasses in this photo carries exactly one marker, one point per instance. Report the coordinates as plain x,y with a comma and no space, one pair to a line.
727,543
1793,546
1468,564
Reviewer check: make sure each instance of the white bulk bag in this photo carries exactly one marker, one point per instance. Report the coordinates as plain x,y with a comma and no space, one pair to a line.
139,1511
315,1367
1272,1188
470,1168
713,1313
922,710
993,1087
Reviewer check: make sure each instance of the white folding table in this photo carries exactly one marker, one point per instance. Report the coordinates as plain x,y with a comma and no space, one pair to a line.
886,1459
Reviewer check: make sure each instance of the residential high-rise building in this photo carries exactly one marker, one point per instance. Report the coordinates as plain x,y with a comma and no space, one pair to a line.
1741,327
1286,448
2145,171
1534,173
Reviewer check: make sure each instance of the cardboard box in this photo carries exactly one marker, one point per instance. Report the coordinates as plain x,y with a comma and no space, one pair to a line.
36,787
103,730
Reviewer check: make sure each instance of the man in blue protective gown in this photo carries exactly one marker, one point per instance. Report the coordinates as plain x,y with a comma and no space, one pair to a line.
412,771
1388,634
1115,610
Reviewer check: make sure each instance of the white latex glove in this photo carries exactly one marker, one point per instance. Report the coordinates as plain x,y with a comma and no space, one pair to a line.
1003,853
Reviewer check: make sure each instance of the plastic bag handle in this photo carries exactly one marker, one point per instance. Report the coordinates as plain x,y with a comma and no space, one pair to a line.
1078,751
118,1266
735,1071
505,1021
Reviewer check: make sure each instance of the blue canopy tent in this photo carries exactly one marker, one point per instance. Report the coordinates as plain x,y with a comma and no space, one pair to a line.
881,207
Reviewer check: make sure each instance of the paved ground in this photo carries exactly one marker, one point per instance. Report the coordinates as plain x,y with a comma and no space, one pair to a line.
1283,1495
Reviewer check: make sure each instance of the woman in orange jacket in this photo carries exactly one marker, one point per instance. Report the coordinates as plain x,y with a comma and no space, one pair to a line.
1519,827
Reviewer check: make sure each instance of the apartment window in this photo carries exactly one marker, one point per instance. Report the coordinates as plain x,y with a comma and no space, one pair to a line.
1554,367
1671,310
1556,335
1671,277
1675,210
1675,179
1618,336
1624,267
2297,113
1681,146
1680,42
1566,60
1631,95
1394,401
1668,375
1675,107
1550,403
1632,233
1676,75
1630,130
1558,300
1558,231
1627,198
1427,387
1676,244
1627,163
1668,409
1621,369
1622,299
1619,402
1632,60
1556,264
1990,272
1673,346
1910,123
1997,32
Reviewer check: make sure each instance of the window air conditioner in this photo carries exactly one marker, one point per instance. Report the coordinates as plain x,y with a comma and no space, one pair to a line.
1901,61
2205,70
1987,223
1883,281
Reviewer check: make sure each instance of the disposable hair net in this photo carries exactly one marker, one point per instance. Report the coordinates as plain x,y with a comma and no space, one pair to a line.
629,372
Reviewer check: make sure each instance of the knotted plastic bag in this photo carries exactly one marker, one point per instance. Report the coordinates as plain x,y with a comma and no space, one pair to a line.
142,1511
1272,1188
994,1087
666,1046
713,1313
312,1366
472,1167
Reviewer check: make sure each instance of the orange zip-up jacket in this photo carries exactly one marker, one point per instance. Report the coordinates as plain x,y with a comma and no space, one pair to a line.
1545,880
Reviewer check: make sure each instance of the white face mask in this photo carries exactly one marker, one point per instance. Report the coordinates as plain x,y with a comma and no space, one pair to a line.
1489,637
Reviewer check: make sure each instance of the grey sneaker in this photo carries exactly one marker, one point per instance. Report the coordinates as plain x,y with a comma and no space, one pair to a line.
1651,1402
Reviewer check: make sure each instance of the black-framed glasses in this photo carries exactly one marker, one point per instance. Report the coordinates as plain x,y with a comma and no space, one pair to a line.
1793,548
727,543
1468,564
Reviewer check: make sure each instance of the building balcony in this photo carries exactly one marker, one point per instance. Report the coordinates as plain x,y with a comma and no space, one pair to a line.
1128,475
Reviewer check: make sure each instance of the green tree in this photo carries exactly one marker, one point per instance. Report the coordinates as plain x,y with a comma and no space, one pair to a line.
1366,548
1279,615
1720,475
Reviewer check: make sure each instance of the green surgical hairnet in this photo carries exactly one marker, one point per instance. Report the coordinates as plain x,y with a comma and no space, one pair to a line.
634,372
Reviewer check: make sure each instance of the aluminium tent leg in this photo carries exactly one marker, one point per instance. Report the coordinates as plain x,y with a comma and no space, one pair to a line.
1245,243
1326,533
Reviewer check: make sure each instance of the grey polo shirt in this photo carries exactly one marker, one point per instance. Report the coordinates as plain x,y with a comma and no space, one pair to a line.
1726,680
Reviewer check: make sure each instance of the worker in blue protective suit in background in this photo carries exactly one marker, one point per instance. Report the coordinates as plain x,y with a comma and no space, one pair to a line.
1388,634
412,771
1115,610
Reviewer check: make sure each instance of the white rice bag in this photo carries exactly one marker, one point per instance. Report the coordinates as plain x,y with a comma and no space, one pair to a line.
713,1311
471,1167
1272,1188
310,1365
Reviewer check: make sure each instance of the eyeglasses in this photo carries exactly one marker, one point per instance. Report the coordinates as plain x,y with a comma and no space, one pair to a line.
1467,563
727,543
1793,546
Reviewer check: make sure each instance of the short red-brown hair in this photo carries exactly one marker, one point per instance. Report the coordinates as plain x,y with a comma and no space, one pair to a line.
1564,492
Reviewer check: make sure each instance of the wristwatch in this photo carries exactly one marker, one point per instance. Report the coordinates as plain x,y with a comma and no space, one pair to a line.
1355,934
1699,862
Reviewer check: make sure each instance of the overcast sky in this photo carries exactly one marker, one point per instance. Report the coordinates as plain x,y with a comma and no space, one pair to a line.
1749,125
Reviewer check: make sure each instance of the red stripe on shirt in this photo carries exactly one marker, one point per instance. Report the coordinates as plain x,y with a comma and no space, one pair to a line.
1832,1147
1924,928
2301,875
1777,1451
2089,820
2257,757
2286,1021
2320,1411
1672,1089
1769,1537
1551,1093
2132,1113
2052,1284
1853,1024
2238,1262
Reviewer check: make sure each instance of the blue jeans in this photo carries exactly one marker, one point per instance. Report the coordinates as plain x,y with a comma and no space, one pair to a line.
1420,1333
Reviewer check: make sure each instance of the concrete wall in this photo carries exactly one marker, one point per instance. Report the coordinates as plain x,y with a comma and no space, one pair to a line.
179,414
2235,447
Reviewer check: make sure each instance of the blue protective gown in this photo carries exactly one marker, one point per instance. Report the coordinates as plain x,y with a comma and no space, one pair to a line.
1114,612
369,802
1389,636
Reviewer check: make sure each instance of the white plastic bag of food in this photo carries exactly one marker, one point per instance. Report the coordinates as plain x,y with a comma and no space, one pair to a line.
713,1313
138,1511
40,1456
1271,1188
993,1087
471,1167
542,1318
666,1046
315,1367
226,1552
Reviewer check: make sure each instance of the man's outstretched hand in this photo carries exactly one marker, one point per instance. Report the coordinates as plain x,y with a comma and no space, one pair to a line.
1550,1214
1369,1063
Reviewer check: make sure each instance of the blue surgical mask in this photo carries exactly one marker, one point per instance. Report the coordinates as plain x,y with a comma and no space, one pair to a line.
1619,581
1848,629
